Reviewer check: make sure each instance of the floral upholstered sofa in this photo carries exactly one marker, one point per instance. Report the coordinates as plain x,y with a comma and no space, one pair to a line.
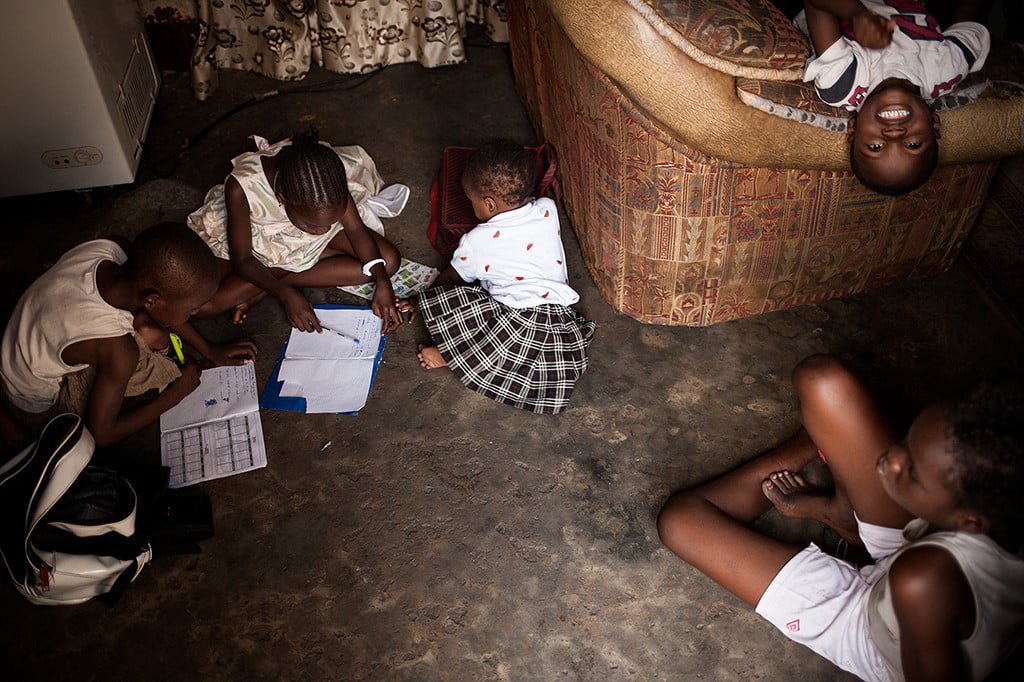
705,183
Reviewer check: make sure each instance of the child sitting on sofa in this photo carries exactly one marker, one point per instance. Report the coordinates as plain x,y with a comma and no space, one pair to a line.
884,61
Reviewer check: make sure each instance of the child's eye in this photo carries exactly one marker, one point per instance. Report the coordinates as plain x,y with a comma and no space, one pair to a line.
875,147
913,145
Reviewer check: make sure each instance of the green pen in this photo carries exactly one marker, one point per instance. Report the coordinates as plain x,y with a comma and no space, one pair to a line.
176,345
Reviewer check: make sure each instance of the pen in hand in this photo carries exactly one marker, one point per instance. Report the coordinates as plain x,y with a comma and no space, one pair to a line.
338,332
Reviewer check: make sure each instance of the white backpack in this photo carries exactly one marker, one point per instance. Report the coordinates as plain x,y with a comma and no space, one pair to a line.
67,528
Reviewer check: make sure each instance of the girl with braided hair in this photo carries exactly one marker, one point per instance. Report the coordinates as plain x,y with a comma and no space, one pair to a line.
285,218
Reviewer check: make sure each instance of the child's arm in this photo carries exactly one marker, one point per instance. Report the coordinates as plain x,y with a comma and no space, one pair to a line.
447,276
823,16
115,360
230,353
298,310
935,610
366,250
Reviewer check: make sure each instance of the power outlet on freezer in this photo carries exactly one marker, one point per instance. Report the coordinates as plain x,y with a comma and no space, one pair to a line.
75,157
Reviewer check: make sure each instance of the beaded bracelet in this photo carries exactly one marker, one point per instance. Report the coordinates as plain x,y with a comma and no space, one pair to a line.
367,266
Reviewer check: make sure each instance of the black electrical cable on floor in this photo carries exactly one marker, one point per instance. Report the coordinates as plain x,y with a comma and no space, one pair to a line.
245,104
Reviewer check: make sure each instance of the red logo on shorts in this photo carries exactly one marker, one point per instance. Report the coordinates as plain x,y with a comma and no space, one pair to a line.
793,625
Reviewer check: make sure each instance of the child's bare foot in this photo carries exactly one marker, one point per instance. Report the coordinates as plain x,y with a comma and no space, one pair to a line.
407,308
430,357
795,498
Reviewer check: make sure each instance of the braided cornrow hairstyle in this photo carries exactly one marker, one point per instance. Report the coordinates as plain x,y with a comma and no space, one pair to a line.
987,426
503,169
309,173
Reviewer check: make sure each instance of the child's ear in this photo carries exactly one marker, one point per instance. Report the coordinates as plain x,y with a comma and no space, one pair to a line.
491,204
150,298
935,125
851,126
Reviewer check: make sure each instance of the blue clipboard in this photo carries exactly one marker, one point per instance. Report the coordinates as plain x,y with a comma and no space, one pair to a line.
271,397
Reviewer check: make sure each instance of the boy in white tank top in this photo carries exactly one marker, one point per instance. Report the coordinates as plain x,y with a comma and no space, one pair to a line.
83,313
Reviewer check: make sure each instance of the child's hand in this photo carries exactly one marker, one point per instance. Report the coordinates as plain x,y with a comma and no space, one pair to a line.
384,306
233,352
187,382
405,306
299,311
871,30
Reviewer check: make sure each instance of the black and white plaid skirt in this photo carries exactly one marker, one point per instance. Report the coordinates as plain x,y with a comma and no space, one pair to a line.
529,358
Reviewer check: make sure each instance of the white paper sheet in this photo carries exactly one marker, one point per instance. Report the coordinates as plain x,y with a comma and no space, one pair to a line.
333,373
362,336
216,430
327,385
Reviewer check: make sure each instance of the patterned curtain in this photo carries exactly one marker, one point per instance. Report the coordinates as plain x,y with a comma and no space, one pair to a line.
282,38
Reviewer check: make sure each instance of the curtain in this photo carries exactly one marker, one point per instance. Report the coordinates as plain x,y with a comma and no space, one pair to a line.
283,38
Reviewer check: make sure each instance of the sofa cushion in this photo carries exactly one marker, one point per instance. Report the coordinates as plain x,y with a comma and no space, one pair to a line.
749,38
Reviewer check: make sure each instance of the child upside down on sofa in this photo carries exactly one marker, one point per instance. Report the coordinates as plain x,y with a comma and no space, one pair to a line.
884,61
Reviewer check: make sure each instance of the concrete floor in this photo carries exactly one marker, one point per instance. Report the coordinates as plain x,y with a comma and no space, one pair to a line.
441,535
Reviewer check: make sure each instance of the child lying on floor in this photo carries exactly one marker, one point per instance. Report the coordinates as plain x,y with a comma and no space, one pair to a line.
937,510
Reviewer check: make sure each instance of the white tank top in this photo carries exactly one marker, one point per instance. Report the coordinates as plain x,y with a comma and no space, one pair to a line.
60,308
996,579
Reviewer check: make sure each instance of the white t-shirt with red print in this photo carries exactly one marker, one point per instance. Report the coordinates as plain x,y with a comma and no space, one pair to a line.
936,61
517,256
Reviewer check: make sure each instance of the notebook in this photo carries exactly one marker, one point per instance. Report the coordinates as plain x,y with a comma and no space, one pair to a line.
216,430
331,371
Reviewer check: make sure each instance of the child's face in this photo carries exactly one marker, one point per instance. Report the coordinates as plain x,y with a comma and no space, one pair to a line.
315,219
919,473
170,311
893,134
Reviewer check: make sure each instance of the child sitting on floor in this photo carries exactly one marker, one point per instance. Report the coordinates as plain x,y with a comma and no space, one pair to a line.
945,596
513,336
83,335
884,61
283,219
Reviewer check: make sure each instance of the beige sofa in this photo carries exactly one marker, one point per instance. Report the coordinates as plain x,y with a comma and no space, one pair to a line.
695,201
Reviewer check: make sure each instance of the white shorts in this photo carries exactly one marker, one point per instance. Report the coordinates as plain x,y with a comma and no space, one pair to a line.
818,600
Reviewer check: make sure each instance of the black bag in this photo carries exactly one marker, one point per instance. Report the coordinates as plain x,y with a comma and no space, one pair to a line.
71,530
